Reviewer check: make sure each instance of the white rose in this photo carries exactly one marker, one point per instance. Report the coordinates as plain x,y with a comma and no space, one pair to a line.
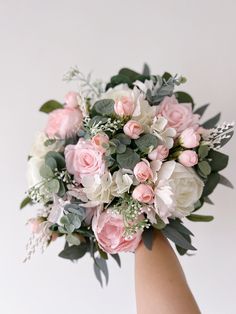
33,175
40,150
179,188
119,91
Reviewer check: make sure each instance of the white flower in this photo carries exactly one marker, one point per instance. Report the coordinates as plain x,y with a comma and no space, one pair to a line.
98,188
165,134
38,148
56,210
33,175
144,113
119,91
122,182
177,190
148,85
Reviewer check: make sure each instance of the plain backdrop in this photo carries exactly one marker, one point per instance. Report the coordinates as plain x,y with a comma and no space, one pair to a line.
39,42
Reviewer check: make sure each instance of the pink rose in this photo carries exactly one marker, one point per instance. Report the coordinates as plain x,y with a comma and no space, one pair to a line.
64,122
124,106
109,229
189,138
98,140
84,159
72,100
179,116
143,193
142,171
159,153
188,158
133,129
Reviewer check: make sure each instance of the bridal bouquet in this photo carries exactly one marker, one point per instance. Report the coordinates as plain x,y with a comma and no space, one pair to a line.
116,161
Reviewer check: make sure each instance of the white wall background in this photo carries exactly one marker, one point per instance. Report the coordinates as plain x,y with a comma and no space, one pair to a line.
39,41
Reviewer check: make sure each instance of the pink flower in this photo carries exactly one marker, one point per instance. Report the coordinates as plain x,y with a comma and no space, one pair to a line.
98,140
84,159
159,153
109,229
133,129
189,138
143,193
72,100
35,224
124,106
142,171
188,158
64,122
179,116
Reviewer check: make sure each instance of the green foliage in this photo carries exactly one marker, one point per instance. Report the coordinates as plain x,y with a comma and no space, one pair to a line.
46,172
226,182
147,237
26,201
59,160
202,218
128,160
211,183
203,151
147,142
73,239
74,252
204,167
183,97
178,225
217,160
211,123
104,107
124,139
146,70
100,267
201,110
52,186
50,106
159,225
116,257
181,250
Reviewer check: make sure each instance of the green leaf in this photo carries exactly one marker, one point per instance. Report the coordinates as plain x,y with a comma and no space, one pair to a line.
201,110
73,239
177,224
62,190
211,123
211,183
60,160
117,80
52,186
203,151
147,237
208,200
124,139
166,76
198,204
74,252
26,201
217,160
204,167
183,97
226,182
180,250
121,148
147,142
202,218
51,163
177,238
104,107
128,160
46,172
146,70
102,265
159,225
50,106
117,259
130,74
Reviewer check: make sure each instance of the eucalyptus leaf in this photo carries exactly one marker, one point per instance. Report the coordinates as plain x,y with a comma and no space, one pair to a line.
201,110
46,172
183,97
102,264
177,224
226,182
177,238
204,167
211,123
146,70
60,160
211,183
217,160
117,259
73,239
98,274
121,148
147,237
203,151
74,252
51,163
62,190
52,186
208,200
181,250
104,107
128,160
124,139
147,141
50,106
201,218
159,224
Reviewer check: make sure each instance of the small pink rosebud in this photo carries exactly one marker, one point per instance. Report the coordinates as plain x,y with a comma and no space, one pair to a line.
189,138
99,140
159,153
143,193
188,158
133,129
124,106
142,171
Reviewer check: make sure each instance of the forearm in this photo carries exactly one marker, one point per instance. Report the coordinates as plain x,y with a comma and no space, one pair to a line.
161,286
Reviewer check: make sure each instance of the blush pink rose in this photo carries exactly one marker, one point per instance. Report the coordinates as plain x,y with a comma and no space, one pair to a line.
124,106
98,140
64,122
72,100
84,159
189,138
109,230
142,171
133,129
159,153
143,193
188,158
179,116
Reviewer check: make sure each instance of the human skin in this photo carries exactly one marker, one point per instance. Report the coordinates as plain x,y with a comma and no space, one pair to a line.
160,283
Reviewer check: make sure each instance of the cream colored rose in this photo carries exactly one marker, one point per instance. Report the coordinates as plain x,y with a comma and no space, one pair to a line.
39,149
33,175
